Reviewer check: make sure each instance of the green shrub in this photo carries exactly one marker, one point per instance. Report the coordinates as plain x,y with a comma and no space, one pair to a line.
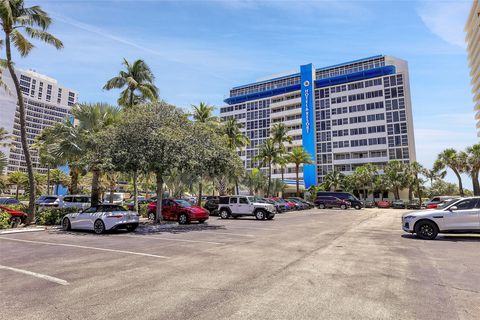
4,220
142,210
53,216
20,207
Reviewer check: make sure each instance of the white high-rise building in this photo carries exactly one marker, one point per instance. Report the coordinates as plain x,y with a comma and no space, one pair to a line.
345,115
472,28
46,103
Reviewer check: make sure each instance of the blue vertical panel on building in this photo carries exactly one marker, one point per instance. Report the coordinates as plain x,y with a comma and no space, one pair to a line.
308,122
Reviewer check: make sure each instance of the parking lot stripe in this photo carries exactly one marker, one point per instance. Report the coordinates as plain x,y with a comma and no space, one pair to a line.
85,247
169,239
252,228
37,275
230,234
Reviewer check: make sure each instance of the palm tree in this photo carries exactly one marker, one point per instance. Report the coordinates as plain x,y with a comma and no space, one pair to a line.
203,113
3,159
333,180
415,169
436,173
254,180
299,156
397,178
46,158
34,22
137,80
279,134
18,179
473,165
267,155
236,140
365,175
381,184
454,160
58,177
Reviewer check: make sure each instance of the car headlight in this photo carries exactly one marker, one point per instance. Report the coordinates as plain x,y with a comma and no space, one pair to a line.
409,217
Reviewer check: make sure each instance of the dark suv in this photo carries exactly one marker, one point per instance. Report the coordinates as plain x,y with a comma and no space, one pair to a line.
323,202
212,206
354,202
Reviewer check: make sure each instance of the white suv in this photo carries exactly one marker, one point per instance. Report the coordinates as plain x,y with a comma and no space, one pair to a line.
237,206
456,216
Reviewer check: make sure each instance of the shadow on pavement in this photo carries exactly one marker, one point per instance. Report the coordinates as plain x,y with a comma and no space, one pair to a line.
449,237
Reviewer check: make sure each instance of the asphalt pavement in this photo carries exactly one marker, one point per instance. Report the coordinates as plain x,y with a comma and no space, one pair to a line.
315,264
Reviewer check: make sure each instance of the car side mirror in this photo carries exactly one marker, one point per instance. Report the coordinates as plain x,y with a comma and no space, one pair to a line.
453,208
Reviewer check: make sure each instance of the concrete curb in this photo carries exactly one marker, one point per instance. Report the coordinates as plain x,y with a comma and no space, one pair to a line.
22,230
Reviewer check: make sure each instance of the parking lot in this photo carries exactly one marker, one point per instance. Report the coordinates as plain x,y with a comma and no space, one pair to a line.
314,264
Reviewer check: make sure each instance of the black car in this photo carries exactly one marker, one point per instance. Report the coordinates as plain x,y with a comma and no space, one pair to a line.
9,201
414,205
398,204
355,203
307,203
370,203
212,206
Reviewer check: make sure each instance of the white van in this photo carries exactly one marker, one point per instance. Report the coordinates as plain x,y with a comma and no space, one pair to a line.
75,201
118,198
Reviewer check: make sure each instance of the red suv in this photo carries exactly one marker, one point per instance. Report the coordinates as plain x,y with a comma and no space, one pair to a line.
331,202
178,210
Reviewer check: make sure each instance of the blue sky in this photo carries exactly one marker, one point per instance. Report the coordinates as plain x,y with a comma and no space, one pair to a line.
200,49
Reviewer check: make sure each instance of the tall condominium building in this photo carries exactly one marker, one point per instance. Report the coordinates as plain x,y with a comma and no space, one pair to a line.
473,48
46,103
345,115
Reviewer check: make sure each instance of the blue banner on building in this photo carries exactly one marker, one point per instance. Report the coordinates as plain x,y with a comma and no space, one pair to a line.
308,122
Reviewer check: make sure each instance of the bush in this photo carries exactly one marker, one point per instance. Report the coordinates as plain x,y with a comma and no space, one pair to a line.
4,220
142,210
53,216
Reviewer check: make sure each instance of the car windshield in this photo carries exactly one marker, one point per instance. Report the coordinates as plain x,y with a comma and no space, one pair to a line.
183,203
49,199
447,203
352,197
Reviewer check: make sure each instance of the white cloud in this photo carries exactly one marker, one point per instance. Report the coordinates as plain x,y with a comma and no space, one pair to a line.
446,19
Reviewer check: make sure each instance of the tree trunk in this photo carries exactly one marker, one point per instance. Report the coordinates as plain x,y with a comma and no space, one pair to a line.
16,194
460,184
95,187
158,213
475,183
236,187
48,180
112,191
418,191
397,193
74,181
410,193
200,187
131,98
269,178
23,134
297,168
135,191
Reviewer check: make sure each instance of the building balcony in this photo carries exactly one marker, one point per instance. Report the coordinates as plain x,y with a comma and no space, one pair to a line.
285,103
361,160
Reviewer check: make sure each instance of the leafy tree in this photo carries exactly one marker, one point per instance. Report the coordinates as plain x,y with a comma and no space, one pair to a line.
46,158
254,180
3,159
397,177
138,81
382,184
278,186
34,21
436,173
333,180
57,178
473,166
18,179
267,155
203,113
279,134
365,176
450,158
415,170
299,156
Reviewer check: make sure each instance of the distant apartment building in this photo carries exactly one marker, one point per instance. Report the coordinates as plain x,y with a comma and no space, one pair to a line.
46,103
472,29
344,115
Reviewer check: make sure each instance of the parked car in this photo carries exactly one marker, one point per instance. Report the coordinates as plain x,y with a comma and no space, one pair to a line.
16,216
398,204
414,204
280,206
212,206
369,203
291,205
8,201
323,202
308,203
458,216
48,201
140,202
68,201
354,201
237,206
178,210
436,200
118,198
299,205
383,204
101,218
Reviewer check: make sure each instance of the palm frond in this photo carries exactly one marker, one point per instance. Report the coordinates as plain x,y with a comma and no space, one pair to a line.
21,43
44,36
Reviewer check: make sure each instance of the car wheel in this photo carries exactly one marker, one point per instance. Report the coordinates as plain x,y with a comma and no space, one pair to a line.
99,227
426,230
15,222
321,206
260,215
343,207
151,216
224,214
357,207
66,226
132,227
183,219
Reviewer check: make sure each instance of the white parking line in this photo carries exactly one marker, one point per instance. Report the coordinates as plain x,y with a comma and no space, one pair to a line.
37,275
85,247
169,239
252,228
230,234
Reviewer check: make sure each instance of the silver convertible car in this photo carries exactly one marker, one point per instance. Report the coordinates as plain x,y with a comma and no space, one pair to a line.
101,218
456,216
